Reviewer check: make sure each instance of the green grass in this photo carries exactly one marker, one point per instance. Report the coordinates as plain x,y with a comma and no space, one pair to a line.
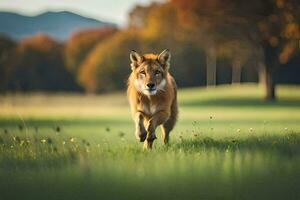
228,144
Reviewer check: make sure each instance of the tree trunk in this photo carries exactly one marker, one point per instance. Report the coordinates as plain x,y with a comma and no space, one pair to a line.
261,73
211,66
236,72
270,85
271,64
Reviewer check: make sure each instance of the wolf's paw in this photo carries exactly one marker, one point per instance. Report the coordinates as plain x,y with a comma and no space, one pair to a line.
152,137
141,134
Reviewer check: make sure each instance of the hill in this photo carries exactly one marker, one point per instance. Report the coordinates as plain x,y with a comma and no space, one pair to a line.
58,25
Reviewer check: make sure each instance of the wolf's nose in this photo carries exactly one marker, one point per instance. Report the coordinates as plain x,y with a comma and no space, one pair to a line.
150,85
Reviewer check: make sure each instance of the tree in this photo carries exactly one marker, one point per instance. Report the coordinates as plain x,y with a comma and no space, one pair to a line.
273,28
280,36
106,68
207,23
162,28
7,51
238,51
271,25
81,43
138,15
38,65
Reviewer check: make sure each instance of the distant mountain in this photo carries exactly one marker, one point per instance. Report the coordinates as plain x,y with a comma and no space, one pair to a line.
58,25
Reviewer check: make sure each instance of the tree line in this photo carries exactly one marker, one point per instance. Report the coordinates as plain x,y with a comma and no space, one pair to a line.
212,42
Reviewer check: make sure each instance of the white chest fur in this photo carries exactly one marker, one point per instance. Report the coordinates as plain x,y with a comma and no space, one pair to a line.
149,109
153,109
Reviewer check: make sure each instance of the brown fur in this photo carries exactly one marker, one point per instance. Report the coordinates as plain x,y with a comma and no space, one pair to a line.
158,108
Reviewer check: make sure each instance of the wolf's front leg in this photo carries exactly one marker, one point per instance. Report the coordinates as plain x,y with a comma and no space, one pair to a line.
156,120
140,131
150,137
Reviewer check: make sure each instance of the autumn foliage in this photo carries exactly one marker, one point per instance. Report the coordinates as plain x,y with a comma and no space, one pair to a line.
79,45
40,66
107,65
211,41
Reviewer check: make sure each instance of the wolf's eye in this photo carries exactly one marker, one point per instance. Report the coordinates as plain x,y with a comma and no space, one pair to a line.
157,72
143,72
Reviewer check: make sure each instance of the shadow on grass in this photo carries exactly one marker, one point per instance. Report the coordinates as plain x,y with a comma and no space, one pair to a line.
288,145
9,122
10,163
241,102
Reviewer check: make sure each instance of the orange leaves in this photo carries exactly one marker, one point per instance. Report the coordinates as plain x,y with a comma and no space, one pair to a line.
280,3
291,31
274,41
286,53
40,42
81,43
107,65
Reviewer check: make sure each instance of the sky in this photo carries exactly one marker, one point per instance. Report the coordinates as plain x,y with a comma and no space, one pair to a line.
108,10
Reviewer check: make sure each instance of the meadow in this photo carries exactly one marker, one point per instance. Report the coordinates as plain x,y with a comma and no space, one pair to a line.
228,144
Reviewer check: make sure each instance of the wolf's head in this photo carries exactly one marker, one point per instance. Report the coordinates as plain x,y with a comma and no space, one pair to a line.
150,71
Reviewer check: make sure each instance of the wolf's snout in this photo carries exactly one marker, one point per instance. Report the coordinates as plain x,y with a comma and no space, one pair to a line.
150,85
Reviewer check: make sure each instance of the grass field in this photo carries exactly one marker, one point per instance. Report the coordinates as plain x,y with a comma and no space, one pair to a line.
228,144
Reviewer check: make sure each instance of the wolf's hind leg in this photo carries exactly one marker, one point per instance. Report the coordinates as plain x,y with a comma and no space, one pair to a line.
169,124
165,134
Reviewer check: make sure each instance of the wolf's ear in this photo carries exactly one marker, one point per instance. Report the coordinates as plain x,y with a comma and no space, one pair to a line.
135,59
164,58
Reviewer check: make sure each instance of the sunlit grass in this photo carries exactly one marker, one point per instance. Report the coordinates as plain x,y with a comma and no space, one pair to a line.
228,144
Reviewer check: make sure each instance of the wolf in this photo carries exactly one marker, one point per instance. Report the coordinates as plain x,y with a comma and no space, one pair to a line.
152,94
